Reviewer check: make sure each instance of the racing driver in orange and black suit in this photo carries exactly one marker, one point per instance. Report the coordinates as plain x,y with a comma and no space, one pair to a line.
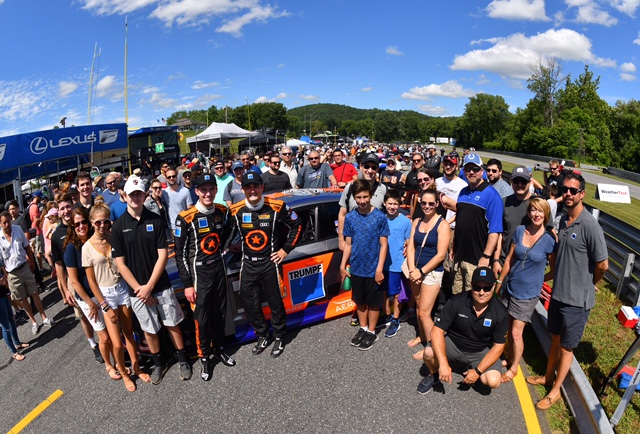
262,222
200,235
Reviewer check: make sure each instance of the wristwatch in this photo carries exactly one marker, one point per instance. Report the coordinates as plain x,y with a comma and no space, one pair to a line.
485,256
477,371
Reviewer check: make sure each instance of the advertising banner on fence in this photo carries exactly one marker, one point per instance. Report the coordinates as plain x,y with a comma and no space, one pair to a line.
34,148
613,193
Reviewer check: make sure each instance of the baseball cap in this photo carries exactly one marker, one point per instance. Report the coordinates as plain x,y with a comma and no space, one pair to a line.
134,183
237,165
406,154
483,274
370,158
251,178
137,171
52,211
473,159
431,146
451,158
205,178
73,190
521,172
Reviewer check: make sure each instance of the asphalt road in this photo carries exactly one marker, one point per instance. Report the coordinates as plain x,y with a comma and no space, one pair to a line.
320,384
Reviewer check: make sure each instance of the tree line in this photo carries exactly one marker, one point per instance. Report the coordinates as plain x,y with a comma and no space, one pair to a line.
565,118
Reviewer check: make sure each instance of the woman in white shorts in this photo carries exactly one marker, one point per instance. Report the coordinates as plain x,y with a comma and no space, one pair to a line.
427,248
112,293
78,233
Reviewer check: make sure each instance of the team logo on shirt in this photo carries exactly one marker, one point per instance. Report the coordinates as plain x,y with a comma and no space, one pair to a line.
149,228
487,322
177,232
574,236
202,222
246,217
210,244
256,240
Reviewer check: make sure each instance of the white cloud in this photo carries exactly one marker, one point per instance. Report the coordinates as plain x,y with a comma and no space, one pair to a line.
626,6
482,79
628,67
366,89
627,77
281,95
262,99
157,98
531,10
281,65
309,97
177,76
394,51
202,102
202,85
448,89
589,12
20,100
192,12
432,110
637,40
105,85
513,55
66,88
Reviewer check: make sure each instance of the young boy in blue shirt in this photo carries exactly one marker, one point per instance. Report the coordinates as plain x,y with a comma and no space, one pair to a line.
400,230
366,231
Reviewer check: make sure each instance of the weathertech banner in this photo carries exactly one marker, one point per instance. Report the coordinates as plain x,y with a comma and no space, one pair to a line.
33,148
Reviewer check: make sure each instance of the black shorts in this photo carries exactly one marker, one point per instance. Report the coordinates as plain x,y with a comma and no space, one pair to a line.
366,292
568,322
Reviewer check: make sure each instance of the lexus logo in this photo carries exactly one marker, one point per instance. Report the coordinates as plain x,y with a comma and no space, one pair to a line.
39,145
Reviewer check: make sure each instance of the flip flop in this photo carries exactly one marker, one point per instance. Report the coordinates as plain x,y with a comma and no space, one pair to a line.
114,374
23,345
18,356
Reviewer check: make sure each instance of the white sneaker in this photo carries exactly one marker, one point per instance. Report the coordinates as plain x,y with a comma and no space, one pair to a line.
35,329
48,322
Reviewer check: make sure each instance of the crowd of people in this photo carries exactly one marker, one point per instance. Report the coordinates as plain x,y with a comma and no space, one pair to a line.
444,239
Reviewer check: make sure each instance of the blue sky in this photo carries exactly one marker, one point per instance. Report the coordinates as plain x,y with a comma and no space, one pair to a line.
428,56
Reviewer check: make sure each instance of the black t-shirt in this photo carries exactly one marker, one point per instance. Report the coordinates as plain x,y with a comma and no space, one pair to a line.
138,242
57,243
277,182
469,332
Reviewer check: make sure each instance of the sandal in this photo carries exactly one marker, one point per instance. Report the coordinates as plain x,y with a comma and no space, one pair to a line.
23,345
113,373
129,383
142,375
17,356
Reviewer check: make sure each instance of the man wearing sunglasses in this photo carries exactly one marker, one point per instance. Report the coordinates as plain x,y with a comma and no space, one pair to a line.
343,171
315,174
476,330
274,179
580,262
111,194
494,175
478,224
288,166
177,197
223,177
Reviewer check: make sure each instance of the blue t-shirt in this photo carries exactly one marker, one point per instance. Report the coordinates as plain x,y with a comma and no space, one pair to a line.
117,209
73,259
527,273
365,232
399,231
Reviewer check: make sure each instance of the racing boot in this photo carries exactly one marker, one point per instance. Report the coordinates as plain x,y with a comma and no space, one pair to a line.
262,344
206,372
222,357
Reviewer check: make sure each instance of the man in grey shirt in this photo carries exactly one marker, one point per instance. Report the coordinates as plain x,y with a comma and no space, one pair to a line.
177,198
581,261
315,174
494,174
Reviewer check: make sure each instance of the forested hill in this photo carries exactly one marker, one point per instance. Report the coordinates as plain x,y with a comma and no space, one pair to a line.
344,112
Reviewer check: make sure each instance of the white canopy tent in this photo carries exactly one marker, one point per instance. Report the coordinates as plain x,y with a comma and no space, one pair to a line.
296,142
219,132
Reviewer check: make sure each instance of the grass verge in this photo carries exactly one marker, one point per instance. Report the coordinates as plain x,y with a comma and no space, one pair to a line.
603,345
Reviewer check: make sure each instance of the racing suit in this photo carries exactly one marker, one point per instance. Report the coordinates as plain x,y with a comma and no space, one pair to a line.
261,232
200,236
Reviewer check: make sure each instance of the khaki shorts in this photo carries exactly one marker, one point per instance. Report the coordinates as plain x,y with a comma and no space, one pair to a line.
166,311
37,244
463,271
22,282
433,278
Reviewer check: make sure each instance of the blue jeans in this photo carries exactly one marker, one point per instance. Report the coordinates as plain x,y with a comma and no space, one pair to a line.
9,329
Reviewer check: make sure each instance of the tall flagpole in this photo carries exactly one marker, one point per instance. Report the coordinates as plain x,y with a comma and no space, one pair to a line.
95,49
126,93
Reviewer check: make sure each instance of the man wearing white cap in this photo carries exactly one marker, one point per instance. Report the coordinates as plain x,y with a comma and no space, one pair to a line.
140,250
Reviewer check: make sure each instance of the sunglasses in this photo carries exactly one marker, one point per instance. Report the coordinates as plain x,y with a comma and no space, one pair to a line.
519,181
429,204
111,182
244,159
186,176
81,222
473,169
478,288
286,153
421,180
417,161
171,177
156,188
493,170
553,168
219,168
102,222
391,163
370,167
277,163
564,189
314,158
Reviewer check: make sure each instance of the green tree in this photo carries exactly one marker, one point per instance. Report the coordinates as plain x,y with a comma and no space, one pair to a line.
485,118
386,126
545,84
625,135
409,128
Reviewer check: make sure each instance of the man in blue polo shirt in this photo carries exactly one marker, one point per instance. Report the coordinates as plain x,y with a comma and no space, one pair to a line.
476,330
478,223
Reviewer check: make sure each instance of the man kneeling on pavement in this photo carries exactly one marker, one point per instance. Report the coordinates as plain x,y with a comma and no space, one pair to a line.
470,332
